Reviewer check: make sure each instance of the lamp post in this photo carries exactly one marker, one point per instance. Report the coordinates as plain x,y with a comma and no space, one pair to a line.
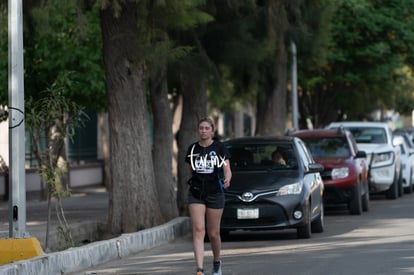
19,246
295,123
17,180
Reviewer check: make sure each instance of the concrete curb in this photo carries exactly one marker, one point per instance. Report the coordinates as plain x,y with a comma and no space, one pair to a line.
90,255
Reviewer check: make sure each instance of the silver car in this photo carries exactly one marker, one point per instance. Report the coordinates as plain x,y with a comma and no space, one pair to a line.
383,156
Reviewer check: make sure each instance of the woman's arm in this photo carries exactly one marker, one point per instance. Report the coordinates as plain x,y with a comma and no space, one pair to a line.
227,174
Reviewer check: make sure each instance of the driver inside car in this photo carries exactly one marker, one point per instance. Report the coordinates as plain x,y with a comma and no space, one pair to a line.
277,158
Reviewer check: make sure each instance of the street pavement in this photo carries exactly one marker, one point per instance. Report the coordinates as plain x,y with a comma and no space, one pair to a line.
86,211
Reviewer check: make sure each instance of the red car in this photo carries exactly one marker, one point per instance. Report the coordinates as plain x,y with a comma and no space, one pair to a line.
345,174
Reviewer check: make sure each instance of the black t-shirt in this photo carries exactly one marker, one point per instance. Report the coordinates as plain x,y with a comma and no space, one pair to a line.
207,164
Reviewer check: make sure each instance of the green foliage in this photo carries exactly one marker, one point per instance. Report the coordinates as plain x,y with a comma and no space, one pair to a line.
66,39
372,42
61,39
369,42
50,119
163,25
313,39
404,98
243,42
178,14
234,42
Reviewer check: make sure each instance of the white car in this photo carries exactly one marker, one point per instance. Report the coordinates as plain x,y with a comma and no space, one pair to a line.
383,156
407,161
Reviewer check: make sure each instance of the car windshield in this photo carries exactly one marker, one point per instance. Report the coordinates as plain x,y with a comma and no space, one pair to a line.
328,146
369,135
262,156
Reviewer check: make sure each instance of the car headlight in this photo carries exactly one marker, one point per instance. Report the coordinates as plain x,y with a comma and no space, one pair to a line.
340,173
290,189
380,159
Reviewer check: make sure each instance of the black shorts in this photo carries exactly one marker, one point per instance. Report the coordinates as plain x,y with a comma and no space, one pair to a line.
214,201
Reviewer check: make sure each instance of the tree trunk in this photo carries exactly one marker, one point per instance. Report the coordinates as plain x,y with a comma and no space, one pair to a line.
271,106
163,143
320,105
194,93
271,109
280,92
133,202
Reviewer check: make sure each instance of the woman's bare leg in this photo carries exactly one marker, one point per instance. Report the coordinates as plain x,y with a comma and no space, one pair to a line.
213,229
197,213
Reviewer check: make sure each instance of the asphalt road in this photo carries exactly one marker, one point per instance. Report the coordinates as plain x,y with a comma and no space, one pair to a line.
380,241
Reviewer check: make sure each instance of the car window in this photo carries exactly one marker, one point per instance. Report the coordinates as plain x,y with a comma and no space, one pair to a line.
261,156
369,135
328,146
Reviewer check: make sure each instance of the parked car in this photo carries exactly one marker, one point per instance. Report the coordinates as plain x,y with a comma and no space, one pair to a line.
407,134
408,130
407,160
265,194
345,174
384,158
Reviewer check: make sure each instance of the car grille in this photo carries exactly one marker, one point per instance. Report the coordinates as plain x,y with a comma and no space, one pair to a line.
270,215
262,222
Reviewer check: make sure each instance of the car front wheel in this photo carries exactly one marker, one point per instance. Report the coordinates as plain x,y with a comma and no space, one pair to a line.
355,205
400,185
304,232
409,189
318,224
365,201
392,193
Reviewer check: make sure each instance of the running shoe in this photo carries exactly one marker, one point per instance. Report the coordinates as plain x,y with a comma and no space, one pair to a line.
217,268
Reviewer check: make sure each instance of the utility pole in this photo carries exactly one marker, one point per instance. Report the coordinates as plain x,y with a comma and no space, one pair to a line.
295,123
20,246
17,175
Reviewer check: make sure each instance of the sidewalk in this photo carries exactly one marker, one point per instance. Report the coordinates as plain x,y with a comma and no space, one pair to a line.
86,212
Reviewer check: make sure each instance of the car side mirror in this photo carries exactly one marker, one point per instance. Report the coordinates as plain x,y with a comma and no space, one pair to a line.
361,154
397,140
315,167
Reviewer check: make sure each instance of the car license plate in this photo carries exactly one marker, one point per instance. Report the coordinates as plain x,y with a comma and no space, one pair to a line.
247,213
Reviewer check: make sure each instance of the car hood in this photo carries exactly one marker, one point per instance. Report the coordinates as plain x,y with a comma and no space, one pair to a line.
333,162
369,148
259,181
